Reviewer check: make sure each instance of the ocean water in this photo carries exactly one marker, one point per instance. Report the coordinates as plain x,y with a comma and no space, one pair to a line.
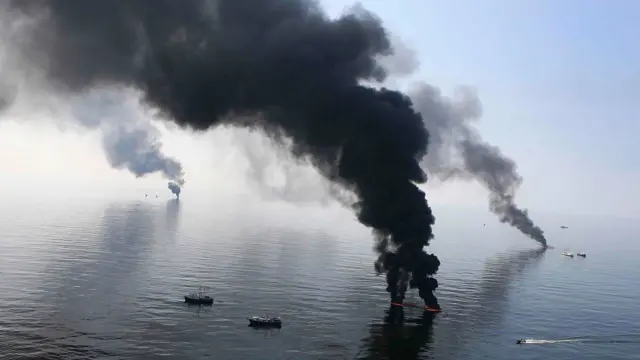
104,279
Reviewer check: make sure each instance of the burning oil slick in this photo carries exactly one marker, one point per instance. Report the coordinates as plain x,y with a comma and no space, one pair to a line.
408,333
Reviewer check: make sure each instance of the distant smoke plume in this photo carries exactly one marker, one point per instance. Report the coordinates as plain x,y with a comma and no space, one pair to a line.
175,188
203,63
129,140
457,150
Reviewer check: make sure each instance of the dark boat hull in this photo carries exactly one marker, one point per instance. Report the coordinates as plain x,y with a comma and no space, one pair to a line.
263,324
198,301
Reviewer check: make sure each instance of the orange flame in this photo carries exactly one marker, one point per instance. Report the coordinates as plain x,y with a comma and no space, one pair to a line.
416,306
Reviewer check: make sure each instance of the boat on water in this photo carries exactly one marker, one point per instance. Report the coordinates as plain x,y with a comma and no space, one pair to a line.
265,321
200,297
567,253
581,254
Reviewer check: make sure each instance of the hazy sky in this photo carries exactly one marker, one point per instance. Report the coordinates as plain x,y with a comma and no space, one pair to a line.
559,82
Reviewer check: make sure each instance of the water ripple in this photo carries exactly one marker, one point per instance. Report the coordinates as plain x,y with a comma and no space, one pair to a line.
96,281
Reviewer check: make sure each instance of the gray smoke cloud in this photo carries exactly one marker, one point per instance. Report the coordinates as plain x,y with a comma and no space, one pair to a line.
8,85
175,188
8,93
129,140
457,150
277,175
404,60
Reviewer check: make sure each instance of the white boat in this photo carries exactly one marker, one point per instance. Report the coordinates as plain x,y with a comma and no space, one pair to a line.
567,253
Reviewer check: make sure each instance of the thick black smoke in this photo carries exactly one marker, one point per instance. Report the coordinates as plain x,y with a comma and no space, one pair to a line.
203,63
457,150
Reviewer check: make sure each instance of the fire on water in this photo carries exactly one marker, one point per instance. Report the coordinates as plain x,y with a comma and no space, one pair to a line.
416,306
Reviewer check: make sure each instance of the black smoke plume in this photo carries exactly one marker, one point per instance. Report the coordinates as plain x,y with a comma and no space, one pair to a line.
204,63
457,150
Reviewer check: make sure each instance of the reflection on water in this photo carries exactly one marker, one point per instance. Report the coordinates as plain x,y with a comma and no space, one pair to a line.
93,281
398,337
475,316
98,295
406,337
172,217
87,291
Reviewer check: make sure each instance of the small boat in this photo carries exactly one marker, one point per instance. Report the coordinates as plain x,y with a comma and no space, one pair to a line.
265,321
568,254
581,254
199,297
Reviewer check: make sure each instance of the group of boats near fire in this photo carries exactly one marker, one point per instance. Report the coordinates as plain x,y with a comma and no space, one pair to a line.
201,298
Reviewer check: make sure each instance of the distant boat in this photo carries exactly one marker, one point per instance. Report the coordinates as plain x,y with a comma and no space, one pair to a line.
581,254
564,227
568,254
199,297
265,321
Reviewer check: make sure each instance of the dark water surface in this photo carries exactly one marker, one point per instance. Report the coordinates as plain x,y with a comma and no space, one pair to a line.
101,279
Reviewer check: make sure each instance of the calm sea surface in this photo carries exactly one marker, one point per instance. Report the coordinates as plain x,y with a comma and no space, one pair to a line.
104,279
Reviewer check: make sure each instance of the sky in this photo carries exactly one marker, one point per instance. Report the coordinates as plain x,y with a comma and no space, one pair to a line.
559,83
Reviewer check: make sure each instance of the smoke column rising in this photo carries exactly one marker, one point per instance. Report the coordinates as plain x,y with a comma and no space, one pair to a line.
457,150
129,140
175,188
203,63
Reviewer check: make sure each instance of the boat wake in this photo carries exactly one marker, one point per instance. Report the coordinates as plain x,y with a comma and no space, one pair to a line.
616,339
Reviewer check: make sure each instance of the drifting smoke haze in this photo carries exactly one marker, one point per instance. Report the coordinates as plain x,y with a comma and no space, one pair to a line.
8,85
278,175
456,150
129,140
7,94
